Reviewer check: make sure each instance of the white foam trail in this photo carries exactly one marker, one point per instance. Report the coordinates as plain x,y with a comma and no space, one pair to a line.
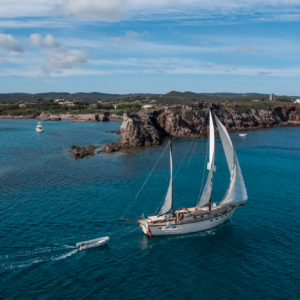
65,255
33,261
36,261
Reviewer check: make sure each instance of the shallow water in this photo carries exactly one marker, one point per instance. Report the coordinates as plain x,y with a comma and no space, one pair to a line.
49,201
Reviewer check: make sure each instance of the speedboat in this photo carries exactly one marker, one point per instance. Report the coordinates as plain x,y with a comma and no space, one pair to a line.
39,127
243,134
92,243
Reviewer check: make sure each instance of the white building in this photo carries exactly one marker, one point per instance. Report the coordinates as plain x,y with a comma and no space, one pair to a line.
297,101
147,106
272,97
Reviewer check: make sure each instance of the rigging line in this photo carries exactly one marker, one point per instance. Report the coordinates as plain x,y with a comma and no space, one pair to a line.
203,171
138,193
205,162
192,153
140,190
184,157
195,143
160,203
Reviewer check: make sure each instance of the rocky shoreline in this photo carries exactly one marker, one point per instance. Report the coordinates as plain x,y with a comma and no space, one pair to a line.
150,127
45,116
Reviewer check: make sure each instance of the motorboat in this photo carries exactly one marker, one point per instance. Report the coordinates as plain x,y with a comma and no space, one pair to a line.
92,243
243,134
39,127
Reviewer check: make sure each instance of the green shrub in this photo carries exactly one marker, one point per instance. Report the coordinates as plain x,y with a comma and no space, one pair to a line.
188,115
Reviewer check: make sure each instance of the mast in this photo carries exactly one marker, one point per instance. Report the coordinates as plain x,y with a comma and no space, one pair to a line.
206,194
168,203
236,191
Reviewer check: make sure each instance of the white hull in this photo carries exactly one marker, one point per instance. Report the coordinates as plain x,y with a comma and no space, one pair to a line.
92,243
189,227
39,130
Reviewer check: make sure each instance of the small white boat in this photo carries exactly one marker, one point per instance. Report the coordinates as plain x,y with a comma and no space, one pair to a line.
39,127
92,243
243,134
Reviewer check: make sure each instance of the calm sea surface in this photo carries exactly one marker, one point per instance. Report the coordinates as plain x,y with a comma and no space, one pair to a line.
49,201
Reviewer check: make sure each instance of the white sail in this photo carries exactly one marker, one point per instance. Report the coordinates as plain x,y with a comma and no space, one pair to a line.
210,164
236,192
206,194
168,203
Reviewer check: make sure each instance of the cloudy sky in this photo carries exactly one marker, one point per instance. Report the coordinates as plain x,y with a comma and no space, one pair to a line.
121,46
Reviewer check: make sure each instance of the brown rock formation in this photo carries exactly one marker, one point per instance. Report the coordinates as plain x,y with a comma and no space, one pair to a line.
83,151
48,117
149,127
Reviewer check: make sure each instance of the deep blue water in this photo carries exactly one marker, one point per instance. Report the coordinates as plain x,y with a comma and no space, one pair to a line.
49,201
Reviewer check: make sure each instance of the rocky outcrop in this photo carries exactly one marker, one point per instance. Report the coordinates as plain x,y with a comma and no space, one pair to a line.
113,131
48,117
149,127
83,151
29,116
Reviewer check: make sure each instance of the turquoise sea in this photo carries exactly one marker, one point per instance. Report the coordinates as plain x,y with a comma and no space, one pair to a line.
49,201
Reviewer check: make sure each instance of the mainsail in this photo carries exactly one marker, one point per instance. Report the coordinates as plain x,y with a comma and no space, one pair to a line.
168,203
206,194
236,191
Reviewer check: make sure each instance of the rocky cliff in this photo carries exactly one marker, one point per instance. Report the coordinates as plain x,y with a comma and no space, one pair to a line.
149,127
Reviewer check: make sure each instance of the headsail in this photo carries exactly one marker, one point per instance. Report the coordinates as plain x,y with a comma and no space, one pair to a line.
236,191
168,203
206,194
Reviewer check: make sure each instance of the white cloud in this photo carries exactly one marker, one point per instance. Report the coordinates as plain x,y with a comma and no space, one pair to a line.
114,10
107,10
179,66
57,55
164,65
8,42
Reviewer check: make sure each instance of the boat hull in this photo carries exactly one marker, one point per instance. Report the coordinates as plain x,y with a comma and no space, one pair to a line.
196,226
92,243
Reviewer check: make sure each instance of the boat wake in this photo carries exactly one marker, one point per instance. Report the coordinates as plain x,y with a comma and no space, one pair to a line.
65,255
30,258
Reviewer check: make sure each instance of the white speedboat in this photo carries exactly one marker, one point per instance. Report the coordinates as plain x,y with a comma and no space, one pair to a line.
243,134
39,127
205,215
92,243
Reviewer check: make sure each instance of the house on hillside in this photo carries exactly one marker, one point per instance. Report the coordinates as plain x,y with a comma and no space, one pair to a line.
147,106
272,97
65,102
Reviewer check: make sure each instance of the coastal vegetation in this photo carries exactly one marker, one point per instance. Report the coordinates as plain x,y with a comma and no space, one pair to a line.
77,107
98,103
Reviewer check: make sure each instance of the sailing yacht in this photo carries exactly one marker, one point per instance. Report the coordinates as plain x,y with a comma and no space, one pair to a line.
205,215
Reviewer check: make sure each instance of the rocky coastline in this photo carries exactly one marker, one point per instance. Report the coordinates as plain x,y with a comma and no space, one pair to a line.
45,116
150,127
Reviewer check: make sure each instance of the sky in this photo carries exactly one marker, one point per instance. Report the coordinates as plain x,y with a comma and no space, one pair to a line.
150,46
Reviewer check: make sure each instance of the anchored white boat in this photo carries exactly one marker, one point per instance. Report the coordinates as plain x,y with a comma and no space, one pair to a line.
39,127
243,134
205,215
92,243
